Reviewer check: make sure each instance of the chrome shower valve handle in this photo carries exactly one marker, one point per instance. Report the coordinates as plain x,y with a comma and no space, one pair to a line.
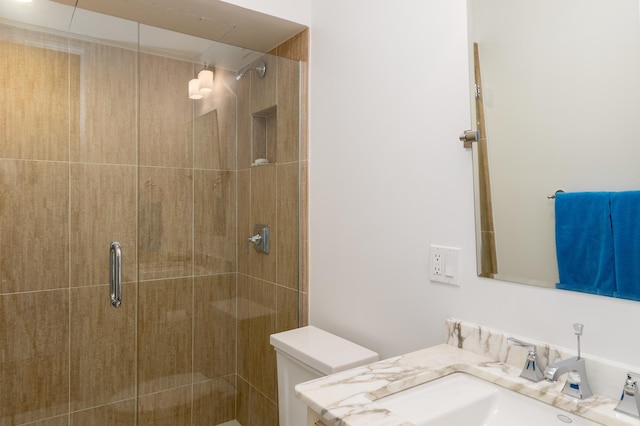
254,239
260,239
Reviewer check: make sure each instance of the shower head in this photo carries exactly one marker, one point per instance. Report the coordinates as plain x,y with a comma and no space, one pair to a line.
242,72
260,68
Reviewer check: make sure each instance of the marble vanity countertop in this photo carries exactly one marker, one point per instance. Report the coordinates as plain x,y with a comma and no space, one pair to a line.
347,398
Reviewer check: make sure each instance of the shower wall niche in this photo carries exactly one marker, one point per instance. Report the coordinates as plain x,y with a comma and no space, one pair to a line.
264,136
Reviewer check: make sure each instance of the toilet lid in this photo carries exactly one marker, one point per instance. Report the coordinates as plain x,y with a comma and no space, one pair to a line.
321,350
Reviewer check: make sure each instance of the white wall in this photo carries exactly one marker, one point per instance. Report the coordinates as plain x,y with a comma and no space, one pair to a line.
389,85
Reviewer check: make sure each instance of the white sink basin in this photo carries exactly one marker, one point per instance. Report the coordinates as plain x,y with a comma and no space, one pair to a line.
464,400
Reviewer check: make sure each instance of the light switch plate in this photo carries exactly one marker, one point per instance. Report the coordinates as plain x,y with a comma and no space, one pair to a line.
444,264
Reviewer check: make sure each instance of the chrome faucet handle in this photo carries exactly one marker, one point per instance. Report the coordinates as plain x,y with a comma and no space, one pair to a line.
576,384
630,400
531,370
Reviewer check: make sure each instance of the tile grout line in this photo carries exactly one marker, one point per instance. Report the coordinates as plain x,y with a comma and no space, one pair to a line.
193,226
136,311
69,366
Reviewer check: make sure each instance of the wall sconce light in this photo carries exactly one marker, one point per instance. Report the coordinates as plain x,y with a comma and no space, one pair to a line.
205,77
202,85
194,89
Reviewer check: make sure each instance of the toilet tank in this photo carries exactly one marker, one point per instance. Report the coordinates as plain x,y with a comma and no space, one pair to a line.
305,354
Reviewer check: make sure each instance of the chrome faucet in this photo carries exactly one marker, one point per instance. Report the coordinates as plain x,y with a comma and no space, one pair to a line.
531,370
630,400
577,384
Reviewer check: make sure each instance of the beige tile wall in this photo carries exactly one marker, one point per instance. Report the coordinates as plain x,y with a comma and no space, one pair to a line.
34,224
34,229
69,186
297,48
33,126
93,379
108,105
269,286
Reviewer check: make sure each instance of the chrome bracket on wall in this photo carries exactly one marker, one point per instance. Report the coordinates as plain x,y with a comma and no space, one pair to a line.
468,137
259,239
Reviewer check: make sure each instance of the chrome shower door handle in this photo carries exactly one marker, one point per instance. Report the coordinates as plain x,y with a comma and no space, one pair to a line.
115,274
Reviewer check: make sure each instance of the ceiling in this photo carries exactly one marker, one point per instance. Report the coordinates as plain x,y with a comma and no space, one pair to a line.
212,31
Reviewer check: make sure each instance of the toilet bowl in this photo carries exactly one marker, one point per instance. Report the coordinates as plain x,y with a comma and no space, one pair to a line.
308,353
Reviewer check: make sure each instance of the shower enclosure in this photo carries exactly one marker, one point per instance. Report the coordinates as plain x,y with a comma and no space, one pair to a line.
100,143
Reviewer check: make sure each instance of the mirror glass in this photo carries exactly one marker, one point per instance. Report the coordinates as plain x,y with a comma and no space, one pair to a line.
557,107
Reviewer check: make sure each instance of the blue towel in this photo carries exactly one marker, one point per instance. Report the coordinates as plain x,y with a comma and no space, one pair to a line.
625,218
584,242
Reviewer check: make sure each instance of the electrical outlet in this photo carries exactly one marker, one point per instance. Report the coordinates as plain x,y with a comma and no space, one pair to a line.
444,265
436,262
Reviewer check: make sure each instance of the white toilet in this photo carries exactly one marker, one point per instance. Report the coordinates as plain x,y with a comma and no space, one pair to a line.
308,353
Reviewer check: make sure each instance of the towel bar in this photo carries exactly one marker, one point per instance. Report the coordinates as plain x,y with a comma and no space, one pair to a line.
551,197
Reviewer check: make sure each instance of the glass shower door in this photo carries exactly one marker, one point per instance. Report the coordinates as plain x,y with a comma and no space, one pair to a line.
187,260
103,181
68,176
99,142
